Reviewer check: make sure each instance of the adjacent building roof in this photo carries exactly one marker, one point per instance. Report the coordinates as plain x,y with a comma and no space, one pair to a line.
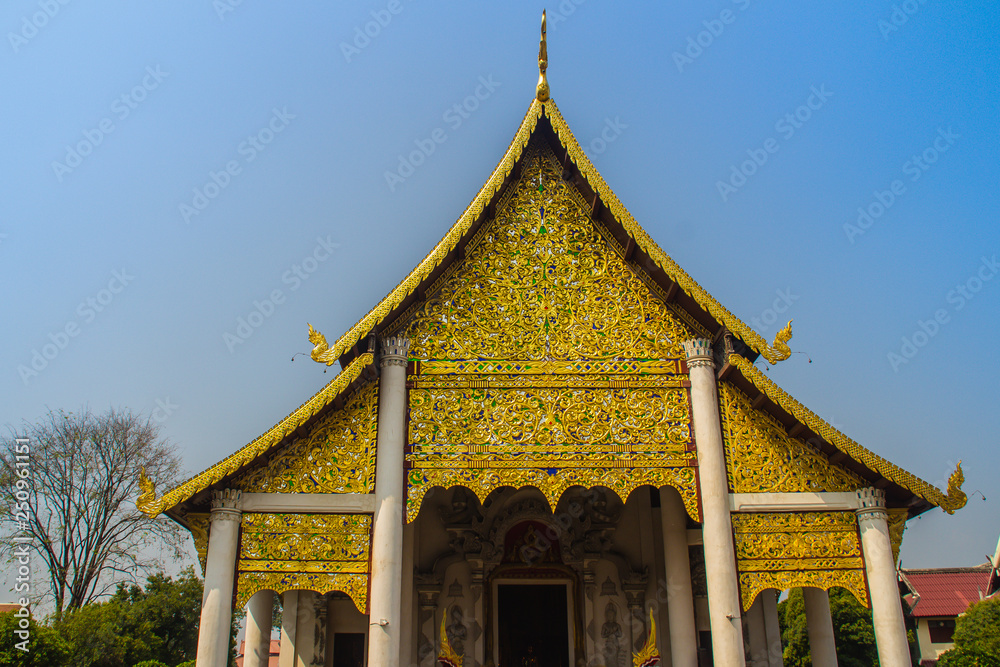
945,591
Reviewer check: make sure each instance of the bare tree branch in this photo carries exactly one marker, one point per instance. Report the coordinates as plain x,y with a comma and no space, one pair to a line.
84,479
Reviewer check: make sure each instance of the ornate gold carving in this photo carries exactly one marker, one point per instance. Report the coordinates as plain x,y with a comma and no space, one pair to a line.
956,496
761,457
148,490
752,583
447,657
819,549
273,436
780,344
320,552
649,655
355,586
955,500
198,525
552,482
541,285
589,367
551,416
321,352
336,456
542,89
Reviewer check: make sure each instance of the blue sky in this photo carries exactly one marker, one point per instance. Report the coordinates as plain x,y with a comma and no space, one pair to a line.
275,124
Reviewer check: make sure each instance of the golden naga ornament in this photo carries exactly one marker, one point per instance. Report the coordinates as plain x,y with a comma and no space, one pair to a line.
542,89
321,352
956,496
649,655
148,495
780,344
447,657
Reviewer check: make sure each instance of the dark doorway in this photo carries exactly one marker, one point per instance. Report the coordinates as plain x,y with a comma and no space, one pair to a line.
533,628
349,649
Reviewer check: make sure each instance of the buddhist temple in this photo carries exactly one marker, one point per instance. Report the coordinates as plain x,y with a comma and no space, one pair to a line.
548,446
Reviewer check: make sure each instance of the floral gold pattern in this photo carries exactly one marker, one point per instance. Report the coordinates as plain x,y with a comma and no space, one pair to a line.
761,457
783,550
329,551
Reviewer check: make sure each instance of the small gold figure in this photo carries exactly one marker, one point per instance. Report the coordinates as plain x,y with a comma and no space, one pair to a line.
542,90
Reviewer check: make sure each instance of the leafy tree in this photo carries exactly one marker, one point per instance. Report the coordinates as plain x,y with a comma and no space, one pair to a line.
977,637
82,482
852,630
47,648
158,623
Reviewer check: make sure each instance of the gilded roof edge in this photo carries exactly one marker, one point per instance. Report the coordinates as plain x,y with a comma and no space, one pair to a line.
153,506
955,498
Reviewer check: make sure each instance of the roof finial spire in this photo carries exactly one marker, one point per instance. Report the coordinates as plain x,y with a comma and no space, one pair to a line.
542,89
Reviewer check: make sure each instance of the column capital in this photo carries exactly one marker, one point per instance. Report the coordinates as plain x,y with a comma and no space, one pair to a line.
872,504
394,349
226,505
699,352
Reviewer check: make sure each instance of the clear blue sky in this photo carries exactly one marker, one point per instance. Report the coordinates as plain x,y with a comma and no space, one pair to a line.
153,98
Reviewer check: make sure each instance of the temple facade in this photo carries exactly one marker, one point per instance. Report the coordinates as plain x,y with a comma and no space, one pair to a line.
548,446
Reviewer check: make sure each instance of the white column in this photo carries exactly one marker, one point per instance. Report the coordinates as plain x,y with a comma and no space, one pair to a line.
305,629
717,530
258,638
769,602
220,570
819,624
680,600
757,630
387,532
887,612
289,622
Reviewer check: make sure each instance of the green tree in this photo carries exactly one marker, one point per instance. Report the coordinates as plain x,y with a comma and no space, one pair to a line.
977,637
47,648
852,630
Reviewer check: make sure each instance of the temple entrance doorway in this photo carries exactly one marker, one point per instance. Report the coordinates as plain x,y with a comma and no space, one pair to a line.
533,625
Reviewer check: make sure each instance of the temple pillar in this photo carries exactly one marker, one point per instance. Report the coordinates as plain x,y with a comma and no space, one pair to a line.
305,625
220,571
769,603
387,532
289,622
680,600
819,624
757,631
257,651
717,530
887,612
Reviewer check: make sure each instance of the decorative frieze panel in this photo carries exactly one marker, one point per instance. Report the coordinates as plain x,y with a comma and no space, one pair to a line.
336,456
319,552
762,457
785,550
